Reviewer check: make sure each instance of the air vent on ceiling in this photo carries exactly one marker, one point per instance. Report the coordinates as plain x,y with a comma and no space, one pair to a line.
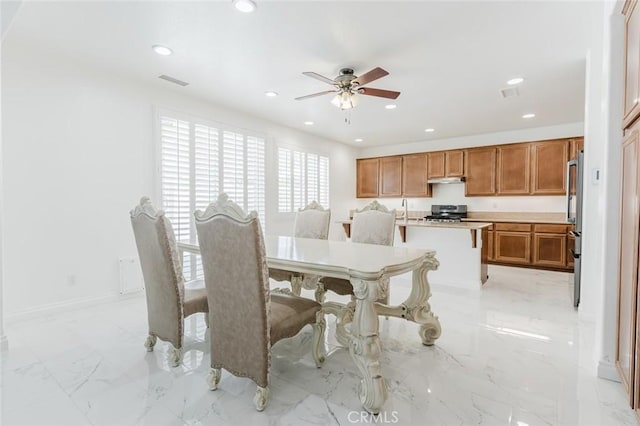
509,92
173,80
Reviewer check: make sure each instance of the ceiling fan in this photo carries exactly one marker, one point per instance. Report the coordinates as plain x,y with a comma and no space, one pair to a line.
347,85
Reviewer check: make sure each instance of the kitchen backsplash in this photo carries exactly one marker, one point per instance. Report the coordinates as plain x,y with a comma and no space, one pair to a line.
454,194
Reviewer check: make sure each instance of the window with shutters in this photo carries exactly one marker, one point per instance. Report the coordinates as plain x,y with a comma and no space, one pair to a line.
303,177
198,161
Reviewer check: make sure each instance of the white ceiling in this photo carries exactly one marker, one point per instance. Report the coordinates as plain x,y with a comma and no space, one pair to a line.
449,59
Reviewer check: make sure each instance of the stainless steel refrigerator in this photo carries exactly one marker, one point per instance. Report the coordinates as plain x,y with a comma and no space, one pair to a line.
575,179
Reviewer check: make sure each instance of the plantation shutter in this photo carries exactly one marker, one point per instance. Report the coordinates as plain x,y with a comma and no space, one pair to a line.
302,178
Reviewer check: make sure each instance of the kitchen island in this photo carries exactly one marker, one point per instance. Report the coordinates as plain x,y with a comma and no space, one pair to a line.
461,248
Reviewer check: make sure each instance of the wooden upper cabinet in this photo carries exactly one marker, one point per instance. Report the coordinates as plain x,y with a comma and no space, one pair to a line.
575,145
445,164
548,167
513,170
454,163
435,165
390,180
367,171
632,62
480,171
414,176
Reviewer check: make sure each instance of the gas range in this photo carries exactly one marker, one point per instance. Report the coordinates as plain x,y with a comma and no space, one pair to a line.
447,213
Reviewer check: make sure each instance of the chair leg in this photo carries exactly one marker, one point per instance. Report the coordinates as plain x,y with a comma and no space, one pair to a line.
150,342
175,356
261,398
206,318
344,317
214,378
318,339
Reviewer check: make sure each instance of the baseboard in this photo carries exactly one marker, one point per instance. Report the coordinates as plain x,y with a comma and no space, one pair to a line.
53,308
607,370
4,343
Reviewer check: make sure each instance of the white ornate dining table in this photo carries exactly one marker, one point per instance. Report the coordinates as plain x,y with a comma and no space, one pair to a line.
368,268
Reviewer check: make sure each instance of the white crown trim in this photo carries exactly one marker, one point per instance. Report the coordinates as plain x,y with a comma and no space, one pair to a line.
375,206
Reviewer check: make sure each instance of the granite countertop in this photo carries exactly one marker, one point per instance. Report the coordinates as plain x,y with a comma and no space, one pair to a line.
551,218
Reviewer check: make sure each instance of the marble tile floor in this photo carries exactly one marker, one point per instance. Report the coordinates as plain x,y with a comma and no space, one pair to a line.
513,353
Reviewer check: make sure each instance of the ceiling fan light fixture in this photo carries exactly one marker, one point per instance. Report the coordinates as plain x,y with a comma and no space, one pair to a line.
345,100
245,6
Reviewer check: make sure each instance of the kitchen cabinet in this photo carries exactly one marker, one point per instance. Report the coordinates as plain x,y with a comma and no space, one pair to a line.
390,177
480,171
626,352
575,145
367,171
513,175
513,243
550,245
445,164
571,244
414,176
631,12
548,167
490,244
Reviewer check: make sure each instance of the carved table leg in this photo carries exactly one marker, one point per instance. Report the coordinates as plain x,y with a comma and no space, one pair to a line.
417,304
365,345
296,284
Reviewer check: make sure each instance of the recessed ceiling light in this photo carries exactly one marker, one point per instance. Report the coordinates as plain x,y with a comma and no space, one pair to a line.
528,116
358,140
391,106
308,123
246,6
515,81
429,130
162,50
271,94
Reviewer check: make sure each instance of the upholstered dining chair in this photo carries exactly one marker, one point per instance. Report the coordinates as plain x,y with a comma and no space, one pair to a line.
246,319
373,224
169,299
312,221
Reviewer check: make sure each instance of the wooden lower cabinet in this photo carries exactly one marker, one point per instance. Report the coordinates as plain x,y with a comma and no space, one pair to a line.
571,244
550,250
491,253
513,247
544,246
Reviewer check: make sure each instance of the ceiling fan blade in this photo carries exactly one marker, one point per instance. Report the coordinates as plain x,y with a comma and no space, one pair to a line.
390,94
315,94
372,75
319,77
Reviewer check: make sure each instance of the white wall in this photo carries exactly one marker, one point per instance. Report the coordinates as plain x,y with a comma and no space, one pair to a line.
78,154
605,310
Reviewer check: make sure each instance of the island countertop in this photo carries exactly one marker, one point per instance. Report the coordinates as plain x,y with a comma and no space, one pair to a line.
423,224
402,225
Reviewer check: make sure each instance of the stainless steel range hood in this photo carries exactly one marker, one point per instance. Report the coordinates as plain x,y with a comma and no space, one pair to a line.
447,180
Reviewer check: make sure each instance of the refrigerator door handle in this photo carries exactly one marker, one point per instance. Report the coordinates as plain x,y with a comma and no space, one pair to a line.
572,163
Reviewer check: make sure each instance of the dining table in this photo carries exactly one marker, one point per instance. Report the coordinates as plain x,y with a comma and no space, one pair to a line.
368,268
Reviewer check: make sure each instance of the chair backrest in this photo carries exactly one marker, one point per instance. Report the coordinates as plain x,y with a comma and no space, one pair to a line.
374,224
237,281
161,269
312,222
